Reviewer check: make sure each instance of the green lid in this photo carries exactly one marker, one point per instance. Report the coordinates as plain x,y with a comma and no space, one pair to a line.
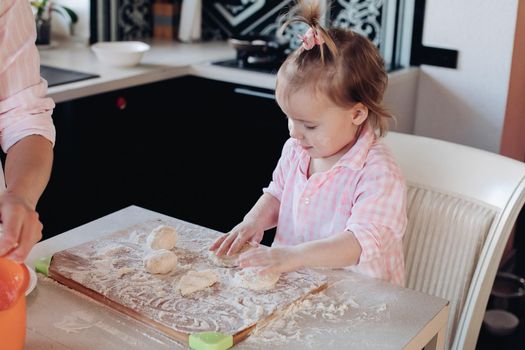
42,265
210,341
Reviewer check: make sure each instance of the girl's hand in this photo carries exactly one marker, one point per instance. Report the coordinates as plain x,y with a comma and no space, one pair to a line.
272,260
232,242
21,227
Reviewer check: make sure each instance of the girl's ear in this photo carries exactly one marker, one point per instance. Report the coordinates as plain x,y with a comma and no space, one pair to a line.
359,113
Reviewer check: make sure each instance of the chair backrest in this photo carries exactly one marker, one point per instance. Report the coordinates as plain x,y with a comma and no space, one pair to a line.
462,205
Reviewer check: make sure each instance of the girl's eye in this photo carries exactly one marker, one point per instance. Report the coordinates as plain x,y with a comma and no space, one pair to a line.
310,127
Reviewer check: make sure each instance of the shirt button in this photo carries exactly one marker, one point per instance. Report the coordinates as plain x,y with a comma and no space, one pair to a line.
307,201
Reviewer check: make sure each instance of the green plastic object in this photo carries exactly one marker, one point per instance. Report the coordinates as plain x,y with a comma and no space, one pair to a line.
42,265
210,341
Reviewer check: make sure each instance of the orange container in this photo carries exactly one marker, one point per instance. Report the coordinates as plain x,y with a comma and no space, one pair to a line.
14,279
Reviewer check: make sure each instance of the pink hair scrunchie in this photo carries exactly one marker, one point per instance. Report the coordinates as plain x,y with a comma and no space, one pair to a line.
311,38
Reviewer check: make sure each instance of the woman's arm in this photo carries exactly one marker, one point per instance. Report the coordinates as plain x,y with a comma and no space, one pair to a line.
27,171
28,167
26,129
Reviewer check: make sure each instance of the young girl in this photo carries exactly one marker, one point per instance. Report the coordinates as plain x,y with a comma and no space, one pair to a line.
337,195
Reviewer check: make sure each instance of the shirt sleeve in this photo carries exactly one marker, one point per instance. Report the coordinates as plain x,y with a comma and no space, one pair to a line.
276,186
24,108
378,218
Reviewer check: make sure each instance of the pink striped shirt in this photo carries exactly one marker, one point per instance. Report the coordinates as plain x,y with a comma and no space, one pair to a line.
364,192
24,109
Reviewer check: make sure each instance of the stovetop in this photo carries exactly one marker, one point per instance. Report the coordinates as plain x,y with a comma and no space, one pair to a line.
58,76
271,67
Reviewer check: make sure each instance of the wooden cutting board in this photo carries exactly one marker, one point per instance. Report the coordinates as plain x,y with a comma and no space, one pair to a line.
110,270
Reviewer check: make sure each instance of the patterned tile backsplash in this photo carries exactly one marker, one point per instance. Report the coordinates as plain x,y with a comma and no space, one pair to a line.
132,19
135,19
222,19
240,17
362,16
113,20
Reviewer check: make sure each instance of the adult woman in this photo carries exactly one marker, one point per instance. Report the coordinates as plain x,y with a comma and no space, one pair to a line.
27,133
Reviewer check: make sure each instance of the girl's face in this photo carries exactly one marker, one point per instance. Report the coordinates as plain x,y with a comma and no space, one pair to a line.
323,129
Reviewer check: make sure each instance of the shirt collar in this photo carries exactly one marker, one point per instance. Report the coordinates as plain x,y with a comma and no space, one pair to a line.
356,156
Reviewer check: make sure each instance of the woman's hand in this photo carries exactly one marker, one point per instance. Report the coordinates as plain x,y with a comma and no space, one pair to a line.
273,260
21,227
233,241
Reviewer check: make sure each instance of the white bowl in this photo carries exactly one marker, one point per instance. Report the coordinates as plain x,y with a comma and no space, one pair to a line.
32,280
120,53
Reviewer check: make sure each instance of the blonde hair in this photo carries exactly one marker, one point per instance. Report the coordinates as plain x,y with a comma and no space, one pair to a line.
347,68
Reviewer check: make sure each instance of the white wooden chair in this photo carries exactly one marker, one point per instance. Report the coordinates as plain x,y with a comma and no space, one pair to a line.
462,205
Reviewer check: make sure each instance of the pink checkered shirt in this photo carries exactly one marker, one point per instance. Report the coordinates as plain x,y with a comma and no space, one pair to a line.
24,109
364,193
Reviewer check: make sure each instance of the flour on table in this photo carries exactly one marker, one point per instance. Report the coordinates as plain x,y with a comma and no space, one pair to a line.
194,281
162,237
160,261
124,271
250,278
115,250
231,260
137,237
75,322
298,322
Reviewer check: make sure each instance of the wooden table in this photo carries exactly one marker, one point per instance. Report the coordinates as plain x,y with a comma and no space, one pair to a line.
374,315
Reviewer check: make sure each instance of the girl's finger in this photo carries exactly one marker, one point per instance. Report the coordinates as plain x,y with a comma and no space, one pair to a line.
226,243
218,242
244,260
250,254
254,242
236,245
255,260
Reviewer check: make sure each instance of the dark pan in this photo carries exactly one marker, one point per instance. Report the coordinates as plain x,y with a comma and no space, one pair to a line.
254,43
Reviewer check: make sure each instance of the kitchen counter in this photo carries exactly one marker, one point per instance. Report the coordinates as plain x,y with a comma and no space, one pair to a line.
354,311
165,60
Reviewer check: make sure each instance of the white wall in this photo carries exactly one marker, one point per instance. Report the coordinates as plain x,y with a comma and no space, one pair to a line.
59,27
467,104
399,99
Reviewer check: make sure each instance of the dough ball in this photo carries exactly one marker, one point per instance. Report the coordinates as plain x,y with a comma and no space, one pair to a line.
229,261
162,237
160,261
249,278
194,281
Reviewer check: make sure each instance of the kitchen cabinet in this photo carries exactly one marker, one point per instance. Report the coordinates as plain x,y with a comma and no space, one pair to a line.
91,169
196,149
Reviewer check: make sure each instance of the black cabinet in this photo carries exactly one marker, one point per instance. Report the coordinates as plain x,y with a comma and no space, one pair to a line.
92,166
236,147
196,149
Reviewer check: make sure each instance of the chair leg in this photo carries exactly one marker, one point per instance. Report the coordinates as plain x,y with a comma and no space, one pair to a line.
438,342
519,244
